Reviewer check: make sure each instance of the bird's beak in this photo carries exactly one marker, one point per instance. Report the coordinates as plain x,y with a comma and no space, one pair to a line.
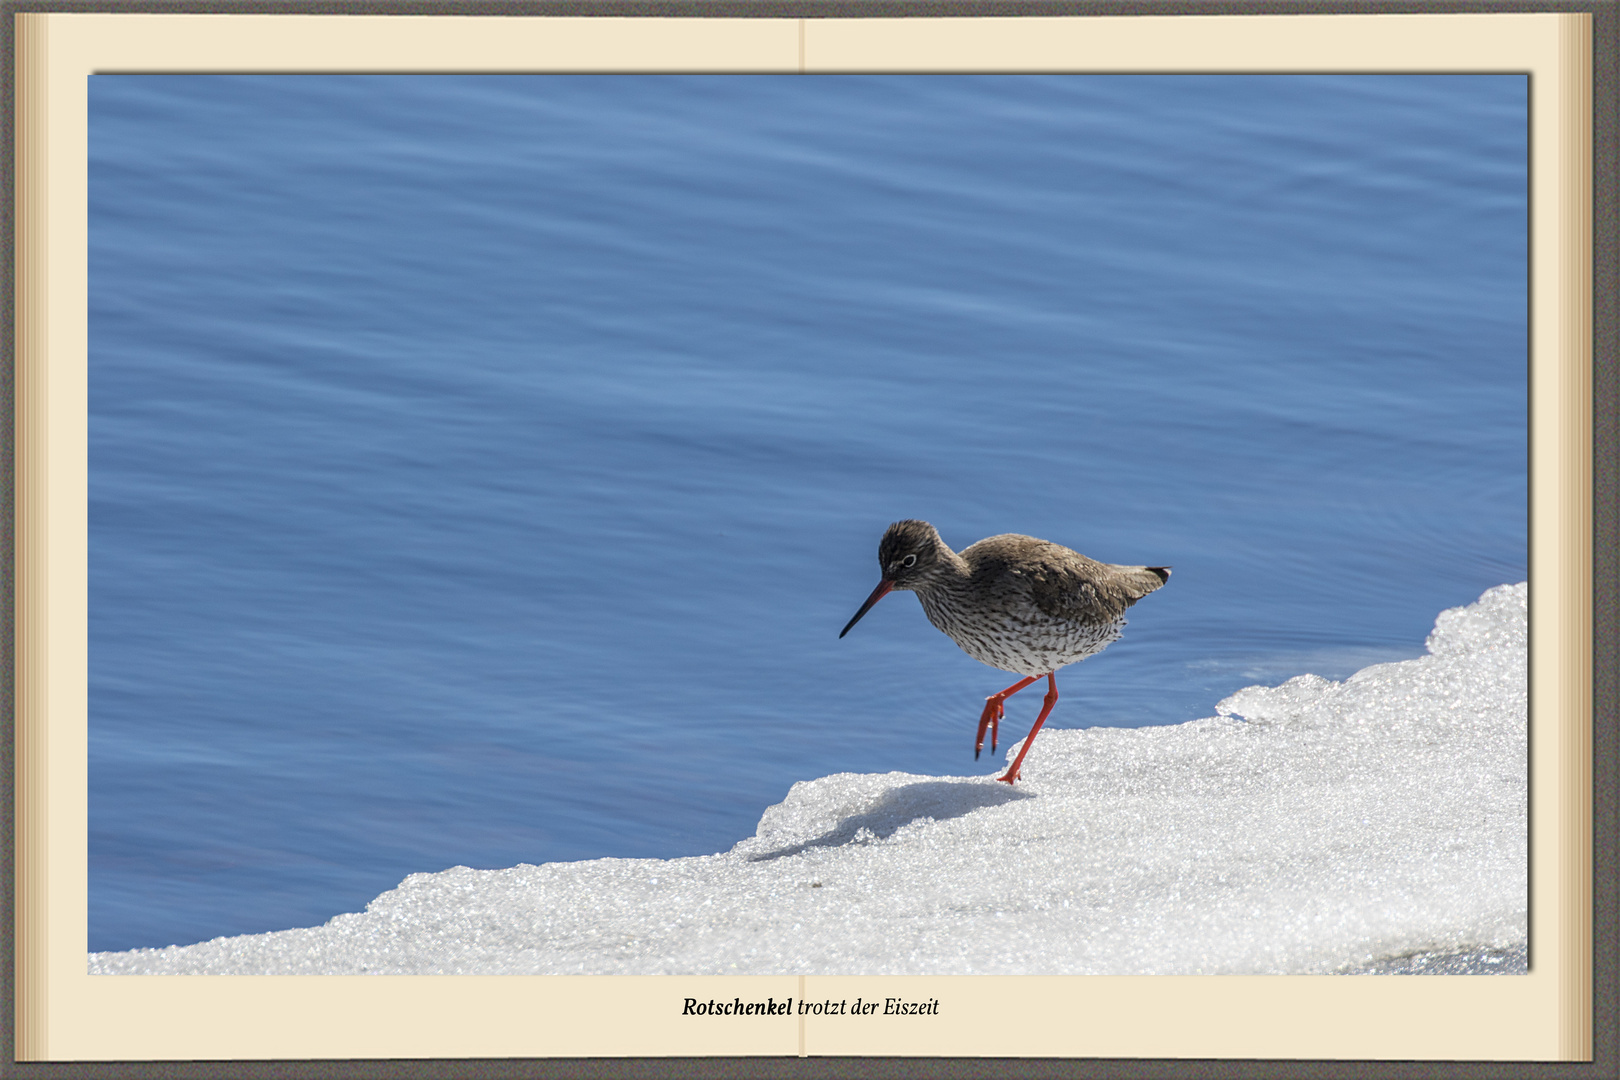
877,594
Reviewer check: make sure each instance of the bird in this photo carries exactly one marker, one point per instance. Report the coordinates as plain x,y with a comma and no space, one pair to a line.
1016,603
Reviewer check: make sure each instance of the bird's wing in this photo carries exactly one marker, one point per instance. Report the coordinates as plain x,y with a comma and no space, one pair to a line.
1064,584
1072,586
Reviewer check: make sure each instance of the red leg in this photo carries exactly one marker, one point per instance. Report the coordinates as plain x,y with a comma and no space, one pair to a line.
993,712
1011,775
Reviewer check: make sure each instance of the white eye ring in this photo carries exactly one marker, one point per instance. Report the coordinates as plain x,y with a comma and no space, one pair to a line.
909,560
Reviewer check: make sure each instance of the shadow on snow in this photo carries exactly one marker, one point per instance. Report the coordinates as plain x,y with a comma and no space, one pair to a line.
934,799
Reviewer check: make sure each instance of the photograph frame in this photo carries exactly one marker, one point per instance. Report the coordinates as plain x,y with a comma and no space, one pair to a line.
46,674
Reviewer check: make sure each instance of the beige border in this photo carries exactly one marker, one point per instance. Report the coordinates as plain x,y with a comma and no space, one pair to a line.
64,1014
1569,564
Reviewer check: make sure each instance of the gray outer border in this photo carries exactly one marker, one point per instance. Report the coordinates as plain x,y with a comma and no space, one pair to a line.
1605,541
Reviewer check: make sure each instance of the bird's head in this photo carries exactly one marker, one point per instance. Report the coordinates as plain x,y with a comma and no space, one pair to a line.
909,553
909,556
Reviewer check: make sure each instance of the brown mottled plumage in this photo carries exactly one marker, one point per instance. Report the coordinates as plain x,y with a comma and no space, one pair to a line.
1013,602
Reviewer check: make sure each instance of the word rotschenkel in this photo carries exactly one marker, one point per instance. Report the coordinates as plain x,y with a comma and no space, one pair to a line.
736,1007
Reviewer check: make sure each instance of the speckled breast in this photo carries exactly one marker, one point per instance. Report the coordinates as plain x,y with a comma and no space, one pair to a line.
1020,638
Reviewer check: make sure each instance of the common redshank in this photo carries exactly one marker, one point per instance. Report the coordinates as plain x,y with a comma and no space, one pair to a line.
1013,602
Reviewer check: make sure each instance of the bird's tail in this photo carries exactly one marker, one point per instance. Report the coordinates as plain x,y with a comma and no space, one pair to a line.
1141,580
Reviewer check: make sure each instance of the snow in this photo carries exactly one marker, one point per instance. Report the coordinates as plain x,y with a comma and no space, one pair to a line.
1373,825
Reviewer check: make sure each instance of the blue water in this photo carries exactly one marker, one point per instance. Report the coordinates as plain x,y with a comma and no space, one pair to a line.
482,467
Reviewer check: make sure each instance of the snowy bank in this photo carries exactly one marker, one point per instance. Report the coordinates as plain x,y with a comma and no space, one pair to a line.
1311,827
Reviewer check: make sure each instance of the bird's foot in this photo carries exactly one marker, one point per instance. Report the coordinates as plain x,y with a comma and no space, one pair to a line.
989,718
1009,777
993,712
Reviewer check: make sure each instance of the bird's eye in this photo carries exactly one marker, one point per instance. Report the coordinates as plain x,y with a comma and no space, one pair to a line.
909,560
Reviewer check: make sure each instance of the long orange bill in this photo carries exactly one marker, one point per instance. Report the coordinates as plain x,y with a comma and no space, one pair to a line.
877,594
